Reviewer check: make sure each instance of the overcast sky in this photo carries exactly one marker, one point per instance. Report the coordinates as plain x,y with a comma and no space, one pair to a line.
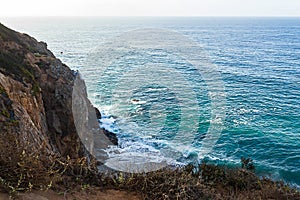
150,8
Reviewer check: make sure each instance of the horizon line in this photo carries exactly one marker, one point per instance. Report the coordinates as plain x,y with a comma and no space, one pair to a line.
261,16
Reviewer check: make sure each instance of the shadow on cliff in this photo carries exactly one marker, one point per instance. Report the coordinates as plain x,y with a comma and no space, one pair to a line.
40,136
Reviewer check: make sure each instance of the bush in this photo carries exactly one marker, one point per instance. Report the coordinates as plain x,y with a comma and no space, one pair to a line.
205,181
23,169
247,163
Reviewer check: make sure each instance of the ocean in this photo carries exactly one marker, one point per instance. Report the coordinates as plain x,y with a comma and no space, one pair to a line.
160,104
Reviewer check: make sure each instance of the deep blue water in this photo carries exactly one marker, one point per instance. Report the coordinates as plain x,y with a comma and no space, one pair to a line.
259,63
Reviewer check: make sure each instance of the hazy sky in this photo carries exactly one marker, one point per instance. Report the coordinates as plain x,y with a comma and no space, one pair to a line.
150,8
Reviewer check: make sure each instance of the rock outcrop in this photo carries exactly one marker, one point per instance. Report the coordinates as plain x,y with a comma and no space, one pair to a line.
36,96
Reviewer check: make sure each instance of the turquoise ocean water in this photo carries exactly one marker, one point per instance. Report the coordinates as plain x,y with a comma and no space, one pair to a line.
259,62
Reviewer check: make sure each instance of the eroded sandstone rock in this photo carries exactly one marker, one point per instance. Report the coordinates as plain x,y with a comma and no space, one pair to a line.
36,97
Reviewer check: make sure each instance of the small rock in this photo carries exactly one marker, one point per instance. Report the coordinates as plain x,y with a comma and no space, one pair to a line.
98,114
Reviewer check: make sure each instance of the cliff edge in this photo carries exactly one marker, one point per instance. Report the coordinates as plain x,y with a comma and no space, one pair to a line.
36,97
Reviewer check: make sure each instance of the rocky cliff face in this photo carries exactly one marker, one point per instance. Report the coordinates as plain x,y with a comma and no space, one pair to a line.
36,96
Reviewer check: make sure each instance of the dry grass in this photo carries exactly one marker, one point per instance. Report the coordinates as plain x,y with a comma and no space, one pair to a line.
22,169
203,182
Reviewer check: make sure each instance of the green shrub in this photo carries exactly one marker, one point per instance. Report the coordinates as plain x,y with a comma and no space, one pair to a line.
2,90
5,113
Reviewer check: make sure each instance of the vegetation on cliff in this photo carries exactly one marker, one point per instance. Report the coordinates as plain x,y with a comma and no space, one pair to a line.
40,147
24,171
39,142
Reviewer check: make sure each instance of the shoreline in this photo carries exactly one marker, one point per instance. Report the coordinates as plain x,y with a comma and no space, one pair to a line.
260,172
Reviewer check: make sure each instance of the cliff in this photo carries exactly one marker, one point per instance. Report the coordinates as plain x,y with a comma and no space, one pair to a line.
44,109
36,98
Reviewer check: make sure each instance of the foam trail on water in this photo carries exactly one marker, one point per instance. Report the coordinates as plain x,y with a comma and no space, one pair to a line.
136,153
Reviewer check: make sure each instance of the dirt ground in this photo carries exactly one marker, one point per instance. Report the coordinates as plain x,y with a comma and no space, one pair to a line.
91,194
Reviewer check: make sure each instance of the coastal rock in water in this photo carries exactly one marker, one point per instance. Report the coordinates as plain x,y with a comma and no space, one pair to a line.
98,114
36,96
111,136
